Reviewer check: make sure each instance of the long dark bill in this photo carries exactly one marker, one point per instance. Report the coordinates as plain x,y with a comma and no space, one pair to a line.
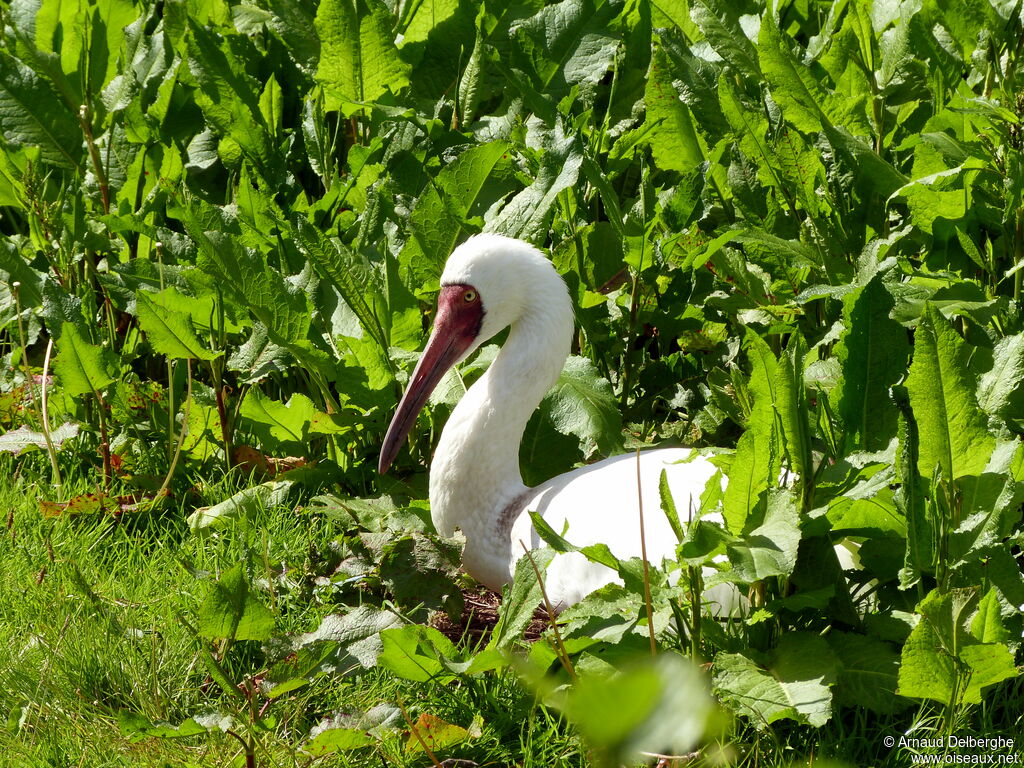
448,341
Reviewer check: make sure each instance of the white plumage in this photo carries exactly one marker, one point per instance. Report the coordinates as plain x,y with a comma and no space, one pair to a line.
489,283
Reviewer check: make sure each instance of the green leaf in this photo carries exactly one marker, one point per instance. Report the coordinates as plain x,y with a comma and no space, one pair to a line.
694,80
358,58
244,274
333,740
231,612
598,553
441,212
748,124
271,105
793,408
810,107
668,506
246,501
440,39
420,572
340,641
351,274
748,480
170,332
569,42
989,663
471,83
795,685
867,674
987,625
258,357
799,94
720,25
520,599
19,440
779,251
954,436
945,662
999,386
873,353
276,422
929,201
138,727
83,368
673,136
771,548
909,497
290,20
755,466
659,704
527,215
582,404
436,734
229,99
990,511
32,114
415,652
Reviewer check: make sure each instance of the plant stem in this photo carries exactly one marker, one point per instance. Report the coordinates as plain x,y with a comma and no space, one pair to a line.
1018,276
250,755
181,434
416,732
29,384
85,121
222,413
46,425
696,589
643,556
170,369
104,440
634,311
563,655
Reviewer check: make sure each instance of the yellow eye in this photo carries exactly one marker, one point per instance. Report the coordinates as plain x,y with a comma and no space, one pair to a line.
469,296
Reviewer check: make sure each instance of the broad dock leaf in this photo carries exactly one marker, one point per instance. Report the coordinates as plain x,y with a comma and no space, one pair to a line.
229,98
954,435
873,352
83,368
170,332
999,386
32,114
231,611
673,137
358,58
795,685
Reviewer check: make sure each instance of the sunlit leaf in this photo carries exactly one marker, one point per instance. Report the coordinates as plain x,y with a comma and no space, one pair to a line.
83,368
953,431
231,610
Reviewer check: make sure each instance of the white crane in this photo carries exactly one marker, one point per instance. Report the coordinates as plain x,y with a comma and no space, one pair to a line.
490,283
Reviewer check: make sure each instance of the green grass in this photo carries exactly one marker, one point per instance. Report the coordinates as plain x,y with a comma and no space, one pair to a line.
92,624
90,615
93,615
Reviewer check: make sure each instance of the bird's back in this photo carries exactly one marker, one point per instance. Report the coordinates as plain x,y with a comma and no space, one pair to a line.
599,504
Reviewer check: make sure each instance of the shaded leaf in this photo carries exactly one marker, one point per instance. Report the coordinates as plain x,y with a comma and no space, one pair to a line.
795,685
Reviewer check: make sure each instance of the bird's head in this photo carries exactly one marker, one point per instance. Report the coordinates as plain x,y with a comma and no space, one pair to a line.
487,283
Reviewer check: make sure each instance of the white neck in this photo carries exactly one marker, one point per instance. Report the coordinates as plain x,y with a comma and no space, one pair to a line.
475,476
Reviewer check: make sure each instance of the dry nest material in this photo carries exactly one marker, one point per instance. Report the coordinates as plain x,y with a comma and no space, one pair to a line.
479,615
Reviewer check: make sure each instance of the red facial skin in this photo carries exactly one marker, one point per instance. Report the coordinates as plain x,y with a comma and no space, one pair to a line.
460,313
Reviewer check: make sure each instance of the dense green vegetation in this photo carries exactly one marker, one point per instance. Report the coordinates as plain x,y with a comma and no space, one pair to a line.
793,233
